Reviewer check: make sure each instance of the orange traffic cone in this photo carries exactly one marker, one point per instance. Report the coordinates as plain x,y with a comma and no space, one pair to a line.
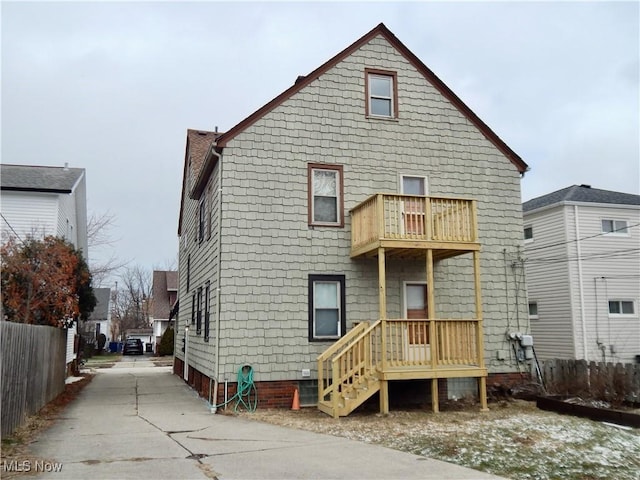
296,400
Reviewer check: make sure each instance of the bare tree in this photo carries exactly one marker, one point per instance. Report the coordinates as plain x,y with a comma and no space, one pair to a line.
131,300
99,237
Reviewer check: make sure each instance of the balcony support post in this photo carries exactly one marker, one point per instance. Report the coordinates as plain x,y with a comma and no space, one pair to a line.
382,287
482,381
435,401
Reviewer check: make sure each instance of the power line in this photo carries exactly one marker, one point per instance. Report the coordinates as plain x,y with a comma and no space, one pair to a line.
11,227
564,259
532,249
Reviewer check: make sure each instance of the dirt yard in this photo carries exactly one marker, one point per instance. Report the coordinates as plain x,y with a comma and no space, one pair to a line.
514,439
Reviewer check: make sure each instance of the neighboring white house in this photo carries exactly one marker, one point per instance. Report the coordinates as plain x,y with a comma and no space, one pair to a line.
41,201
164,294
582,262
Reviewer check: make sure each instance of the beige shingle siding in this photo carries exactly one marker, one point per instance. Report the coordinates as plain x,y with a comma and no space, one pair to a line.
269,250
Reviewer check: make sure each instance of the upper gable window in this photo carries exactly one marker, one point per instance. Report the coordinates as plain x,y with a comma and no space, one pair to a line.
381,93
325,195
615,227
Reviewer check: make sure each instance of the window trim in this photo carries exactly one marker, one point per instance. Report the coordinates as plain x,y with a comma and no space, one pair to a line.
425,182
202,216
535,316
340,192
620,301
617,232
368,72
342,322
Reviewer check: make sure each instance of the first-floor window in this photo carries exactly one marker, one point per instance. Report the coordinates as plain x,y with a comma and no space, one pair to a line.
621,307
207,289
199,314
193,309
528,234
533,310
327,319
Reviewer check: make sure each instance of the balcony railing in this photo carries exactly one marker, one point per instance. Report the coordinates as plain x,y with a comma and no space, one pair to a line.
413,218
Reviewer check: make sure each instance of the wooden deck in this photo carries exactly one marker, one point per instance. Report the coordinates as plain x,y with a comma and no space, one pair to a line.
406,225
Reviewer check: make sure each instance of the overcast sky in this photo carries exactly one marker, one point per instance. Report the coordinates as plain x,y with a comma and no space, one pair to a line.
112,87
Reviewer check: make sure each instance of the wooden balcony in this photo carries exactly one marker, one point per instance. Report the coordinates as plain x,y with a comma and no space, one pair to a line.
406,224
355,367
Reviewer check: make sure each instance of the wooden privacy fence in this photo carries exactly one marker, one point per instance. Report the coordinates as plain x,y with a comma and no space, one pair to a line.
33,370
614,383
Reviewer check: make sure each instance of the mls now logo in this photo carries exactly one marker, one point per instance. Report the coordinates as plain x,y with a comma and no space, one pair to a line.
30,466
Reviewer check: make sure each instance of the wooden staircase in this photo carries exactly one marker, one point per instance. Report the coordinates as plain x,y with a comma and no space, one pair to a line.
367,357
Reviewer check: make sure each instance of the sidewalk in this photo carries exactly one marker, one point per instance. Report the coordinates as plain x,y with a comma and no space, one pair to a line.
143,422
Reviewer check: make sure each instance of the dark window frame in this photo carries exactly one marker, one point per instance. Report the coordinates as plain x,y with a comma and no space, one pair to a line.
193,309
340,192
527,230
199,313
313,278
207,294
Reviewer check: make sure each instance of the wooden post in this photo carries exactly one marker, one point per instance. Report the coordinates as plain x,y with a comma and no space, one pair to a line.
431,310
335,400
380,224
384,397
435,402
382,284
428,220
482,381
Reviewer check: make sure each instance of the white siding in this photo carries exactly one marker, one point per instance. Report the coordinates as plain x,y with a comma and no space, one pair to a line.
30,213
610,267
548,284
268,250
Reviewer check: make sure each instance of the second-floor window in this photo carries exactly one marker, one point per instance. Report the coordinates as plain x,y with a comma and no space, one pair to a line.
325,195
621,307
202,216
381,93
533,310
615,227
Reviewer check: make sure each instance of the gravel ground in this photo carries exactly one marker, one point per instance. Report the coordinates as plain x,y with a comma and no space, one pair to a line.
514,439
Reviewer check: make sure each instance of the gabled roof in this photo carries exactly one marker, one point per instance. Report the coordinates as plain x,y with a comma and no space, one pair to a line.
198,145
101,312
30,178
581,193
164,281
382,30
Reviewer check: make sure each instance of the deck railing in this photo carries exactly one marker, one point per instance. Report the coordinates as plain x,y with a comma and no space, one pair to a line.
413,217
397,344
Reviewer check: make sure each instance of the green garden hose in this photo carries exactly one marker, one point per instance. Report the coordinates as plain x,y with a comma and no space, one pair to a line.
246,396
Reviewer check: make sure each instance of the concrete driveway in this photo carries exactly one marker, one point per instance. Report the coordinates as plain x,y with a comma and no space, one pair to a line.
138,421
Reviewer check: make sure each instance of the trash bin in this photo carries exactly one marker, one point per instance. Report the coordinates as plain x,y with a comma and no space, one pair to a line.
113,347
149,348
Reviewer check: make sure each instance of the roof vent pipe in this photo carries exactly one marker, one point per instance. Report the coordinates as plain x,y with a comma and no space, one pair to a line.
66,165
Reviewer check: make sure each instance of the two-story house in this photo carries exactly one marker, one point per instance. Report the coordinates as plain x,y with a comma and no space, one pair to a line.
582,261
39,201
164,294
348,239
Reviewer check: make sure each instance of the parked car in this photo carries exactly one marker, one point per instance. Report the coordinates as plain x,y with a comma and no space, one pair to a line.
132,346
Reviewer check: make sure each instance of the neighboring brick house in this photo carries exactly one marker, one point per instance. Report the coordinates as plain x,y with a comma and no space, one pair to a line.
164,293
40,201
582,264
331,240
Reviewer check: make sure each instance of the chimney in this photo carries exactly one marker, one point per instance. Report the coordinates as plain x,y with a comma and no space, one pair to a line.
584,185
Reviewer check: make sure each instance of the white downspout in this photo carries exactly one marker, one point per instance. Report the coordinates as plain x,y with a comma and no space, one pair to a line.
214,401
580,285
185,370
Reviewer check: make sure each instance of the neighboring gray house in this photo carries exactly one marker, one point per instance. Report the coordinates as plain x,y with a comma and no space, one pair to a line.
99,320
348,239
164,292
582,263
41,201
